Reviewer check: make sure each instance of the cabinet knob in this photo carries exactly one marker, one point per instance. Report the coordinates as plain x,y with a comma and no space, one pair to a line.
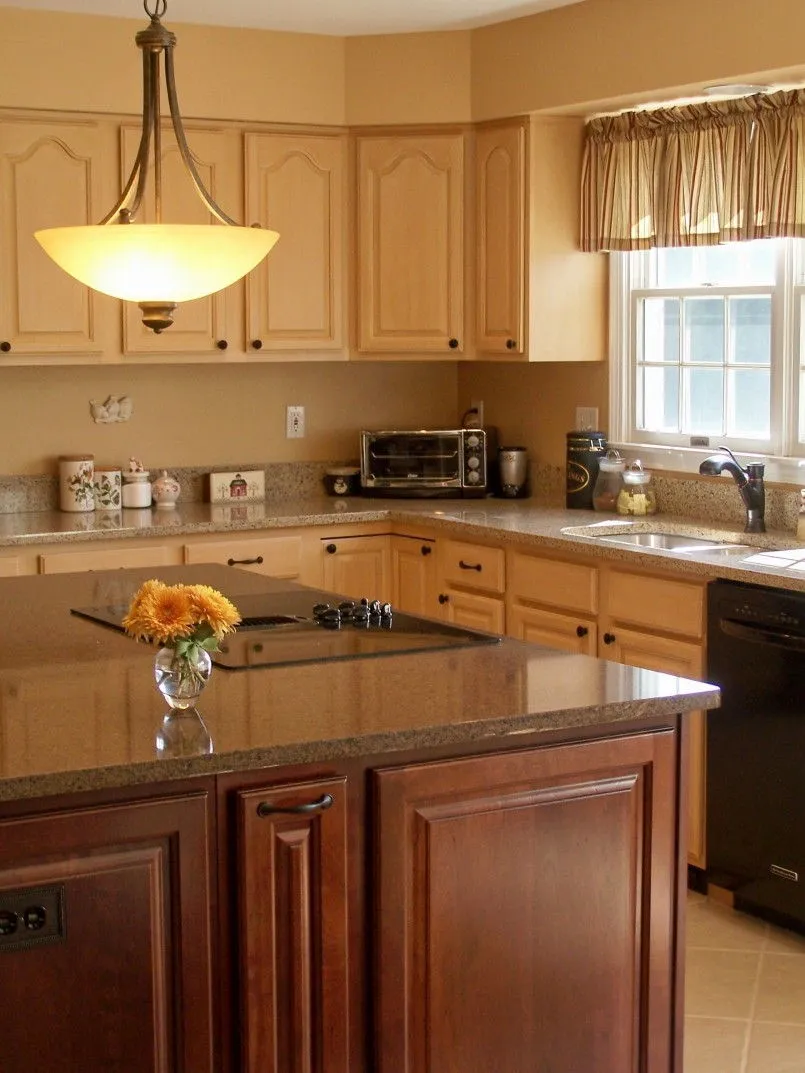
443,598
511,344
609,638
257,344
222,344
453,344
582,631
258,561
5,346
265,808
426,549
331,549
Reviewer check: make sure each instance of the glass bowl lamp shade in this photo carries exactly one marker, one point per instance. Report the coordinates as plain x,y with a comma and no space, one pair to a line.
157,265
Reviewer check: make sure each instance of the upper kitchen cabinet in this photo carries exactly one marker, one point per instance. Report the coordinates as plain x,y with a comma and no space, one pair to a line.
296,185
411,244
53,172
206,325
539,298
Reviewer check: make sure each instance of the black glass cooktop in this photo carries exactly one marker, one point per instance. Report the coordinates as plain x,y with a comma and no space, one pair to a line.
312,627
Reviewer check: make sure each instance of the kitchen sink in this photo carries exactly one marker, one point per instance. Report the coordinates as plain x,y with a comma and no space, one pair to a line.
677,542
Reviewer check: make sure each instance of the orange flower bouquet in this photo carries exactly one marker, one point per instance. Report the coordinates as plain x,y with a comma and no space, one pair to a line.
188,621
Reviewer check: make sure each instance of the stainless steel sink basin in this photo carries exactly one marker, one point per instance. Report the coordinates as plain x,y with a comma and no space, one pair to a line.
677,542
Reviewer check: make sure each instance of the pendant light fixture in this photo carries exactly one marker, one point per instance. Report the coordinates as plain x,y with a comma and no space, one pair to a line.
157,265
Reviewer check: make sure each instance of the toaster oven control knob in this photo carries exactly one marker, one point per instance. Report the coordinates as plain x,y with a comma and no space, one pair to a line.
473,440
474,463
473,477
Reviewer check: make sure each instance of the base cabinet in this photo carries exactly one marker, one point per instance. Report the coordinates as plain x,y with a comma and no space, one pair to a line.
522,916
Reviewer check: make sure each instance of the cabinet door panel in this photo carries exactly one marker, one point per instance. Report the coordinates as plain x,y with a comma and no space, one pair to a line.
565,632
552,582
663,604
520,897
358,566
293,931
130,985
474,611
52,174
295,184
411,226
275,556
413,565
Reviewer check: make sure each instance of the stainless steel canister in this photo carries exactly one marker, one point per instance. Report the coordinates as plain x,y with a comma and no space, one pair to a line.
513,471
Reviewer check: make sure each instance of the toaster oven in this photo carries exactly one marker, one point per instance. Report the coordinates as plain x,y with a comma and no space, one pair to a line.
426,462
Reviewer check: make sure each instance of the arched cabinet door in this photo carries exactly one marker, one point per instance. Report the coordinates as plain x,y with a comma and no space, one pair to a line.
411,244
295,299
53,173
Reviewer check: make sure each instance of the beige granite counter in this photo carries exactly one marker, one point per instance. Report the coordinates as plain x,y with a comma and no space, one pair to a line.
79,709
522,523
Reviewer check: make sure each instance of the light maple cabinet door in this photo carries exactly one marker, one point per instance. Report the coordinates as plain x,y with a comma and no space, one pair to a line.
204,326
282,556
473,610
414,581
53,173
296,185
99,558
357,566
500,205
411,243
569,633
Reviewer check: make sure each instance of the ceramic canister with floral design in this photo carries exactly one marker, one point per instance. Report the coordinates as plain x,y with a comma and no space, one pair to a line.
76,473
107,482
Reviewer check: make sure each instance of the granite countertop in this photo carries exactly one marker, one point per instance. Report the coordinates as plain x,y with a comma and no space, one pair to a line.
79,709
524,523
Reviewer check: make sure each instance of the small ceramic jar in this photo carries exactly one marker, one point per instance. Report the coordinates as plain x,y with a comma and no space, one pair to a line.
107,483
136,489
75,482
165,491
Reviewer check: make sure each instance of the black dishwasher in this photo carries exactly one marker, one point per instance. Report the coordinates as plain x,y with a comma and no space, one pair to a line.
756,749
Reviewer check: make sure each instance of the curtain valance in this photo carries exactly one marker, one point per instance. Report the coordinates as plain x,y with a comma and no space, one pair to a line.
695,175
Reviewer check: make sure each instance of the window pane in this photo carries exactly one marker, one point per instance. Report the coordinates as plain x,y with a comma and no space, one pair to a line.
660,339
731,264
704,330
660,399
750,330
704,401
749,403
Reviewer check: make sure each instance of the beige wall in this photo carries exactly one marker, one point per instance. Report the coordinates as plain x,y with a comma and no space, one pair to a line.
187,415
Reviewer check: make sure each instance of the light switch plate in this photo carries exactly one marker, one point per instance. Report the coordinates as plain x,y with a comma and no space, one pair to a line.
587,418
244,487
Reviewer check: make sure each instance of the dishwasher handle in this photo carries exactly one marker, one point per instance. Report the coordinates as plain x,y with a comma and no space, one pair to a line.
759,635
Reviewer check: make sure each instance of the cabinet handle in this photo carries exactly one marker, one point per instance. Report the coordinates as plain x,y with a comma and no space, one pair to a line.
331,549
222,344
426,549
511,344
257,344
443,598
469,566
610,638
258,561
5,347
582,631
265,808
453,344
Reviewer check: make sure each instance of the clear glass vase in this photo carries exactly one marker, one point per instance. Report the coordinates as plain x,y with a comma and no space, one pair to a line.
183,733
180,679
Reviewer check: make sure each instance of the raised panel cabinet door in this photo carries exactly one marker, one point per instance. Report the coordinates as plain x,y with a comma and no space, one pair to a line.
569,633
293,928
296,185
52,174
500,170
358,567
411,243
276,556
121,978
472,610
524,908
203,326
413,567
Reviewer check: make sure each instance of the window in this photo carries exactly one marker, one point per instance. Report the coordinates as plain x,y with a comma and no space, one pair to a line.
708,347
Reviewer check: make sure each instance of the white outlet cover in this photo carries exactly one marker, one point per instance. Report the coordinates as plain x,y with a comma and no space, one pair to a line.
294,422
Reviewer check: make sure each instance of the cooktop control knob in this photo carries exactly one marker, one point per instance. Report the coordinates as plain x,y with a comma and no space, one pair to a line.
364,614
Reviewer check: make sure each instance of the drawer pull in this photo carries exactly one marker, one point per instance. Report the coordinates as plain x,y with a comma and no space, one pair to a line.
470,566
443,598
610,638
331,549
257,344
582,631
511,344
426,549
222,344
265,808
245,562
453,344
5,346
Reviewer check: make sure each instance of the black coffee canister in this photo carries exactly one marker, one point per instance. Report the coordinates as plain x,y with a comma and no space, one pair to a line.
584,451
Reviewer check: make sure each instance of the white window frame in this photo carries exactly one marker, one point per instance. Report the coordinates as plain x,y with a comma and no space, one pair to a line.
629,282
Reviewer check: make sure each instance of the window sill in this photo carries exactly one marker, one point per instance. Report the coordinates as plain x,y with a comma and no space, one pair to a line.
685,460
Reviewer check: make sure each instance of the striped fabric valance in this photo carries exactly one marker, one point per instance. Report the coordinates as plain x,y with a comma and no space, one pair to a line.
695,175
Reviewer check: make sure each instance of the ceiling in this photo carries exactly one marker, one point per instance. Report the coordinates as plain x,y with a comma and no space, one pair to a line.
338,17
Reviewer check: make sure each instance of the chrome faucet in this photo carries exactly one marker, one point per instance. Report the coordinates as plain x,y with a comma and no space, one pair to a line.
749,481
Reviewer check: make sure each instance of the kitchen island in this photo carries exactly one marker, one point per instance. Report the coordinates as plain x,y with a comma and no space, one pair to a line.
466,859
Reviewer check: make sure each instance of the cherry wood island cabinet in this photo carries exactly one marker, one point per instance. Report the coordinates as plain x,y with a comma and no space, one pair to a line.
468,860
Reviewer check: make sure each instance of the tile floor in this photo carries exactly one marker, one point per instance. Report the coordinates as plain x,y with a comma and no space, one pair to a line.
744,993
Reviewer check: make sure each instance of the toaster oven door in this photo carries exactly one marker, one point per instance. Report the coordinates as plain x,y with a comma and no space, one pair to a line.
429,458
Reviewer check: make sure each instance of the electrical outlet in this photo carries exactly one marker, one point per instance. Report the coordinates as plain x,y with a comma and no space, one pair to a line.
479,406
294,422
587,418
